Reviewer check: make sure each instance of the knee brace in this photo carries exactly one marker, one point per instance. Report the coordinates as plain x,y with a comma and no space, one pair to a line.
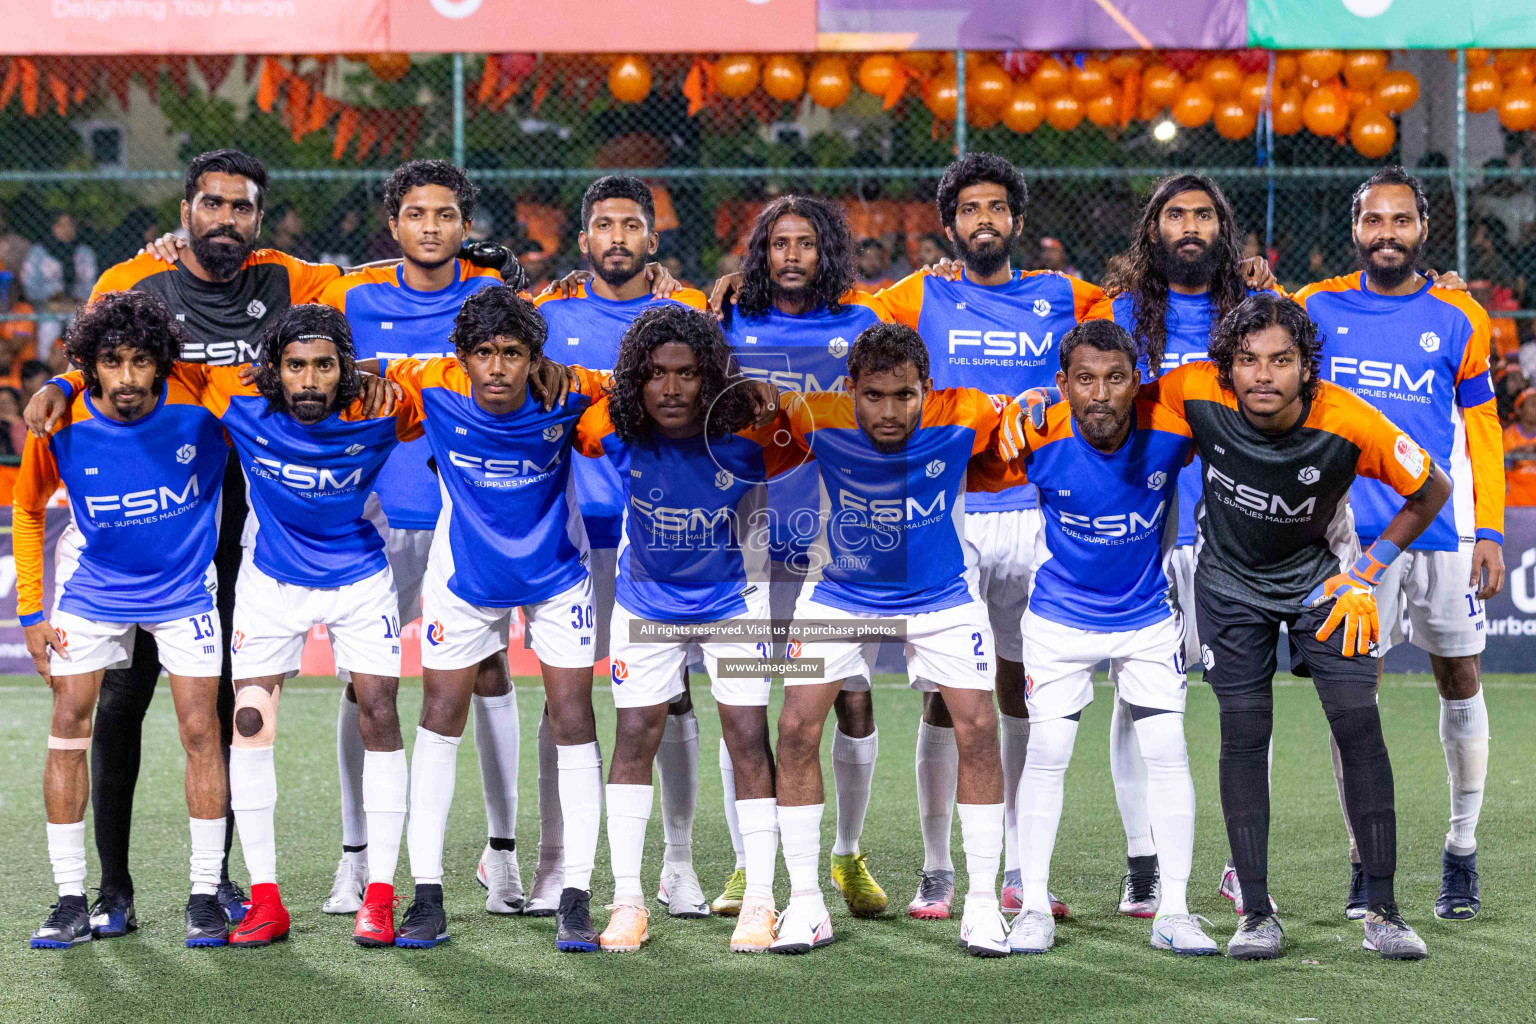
255,717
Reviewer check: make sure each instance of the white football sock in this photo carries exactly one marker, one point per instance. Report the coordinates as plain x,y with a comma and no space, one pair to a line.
207,854
551,822
732,821
1040,798
938,768
1129,772
981,837
800,835
1464,735
1338,782
252,796
1171,801
496,742
434,770
629,809
349,766
853,773
386,782
760,835
677,771
66,852
1015,747
581,804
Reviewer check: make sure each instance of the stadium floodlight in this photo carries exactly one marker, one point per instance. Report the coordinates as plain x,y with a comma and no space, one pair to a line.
1164,130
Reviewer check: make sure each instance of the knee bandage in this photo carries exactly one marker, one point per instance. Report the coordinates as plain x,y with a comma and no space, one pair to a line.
261,705
66,743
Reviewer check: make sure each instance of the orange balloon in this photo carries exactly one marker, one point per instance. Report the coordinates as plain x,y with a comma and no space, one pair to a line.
1160,86
1286,68
1233,120
1363,68
981,118
1359,99
1319,64
989,87
1089,81
1104,109
1194,106
736,75
1325,112
829,83
389,67
1522,74
921,61
1064,111
783,78
1483,89
1049,78
876,73
1517,108
1251,95
1475,58
1222,77
1285,111
942,95
1372,133
1025,110
1506,59
629,79
1397,91
1122,64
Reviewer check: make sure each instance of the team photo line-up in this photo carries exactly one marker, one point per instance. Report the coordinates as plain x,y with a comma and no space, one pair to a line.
1014,474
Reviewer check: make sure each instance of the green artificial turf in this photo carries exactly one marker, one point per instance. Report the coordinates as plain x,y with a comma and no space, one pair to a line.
893,969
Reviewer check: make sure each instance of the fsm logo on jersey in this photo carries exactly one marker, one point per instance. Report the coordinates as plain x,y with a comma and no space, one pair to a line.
256,309
1429,341
554,431
1041,308
934,468
1308,475
724,479
186,453
1156,480
837,347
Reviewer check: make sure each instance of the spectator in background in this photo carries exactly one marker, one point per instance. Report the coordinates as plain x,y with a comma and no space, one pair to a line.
1506,200
535,261
1508,383
674,264
931,247
1485,257
57,277
17,337
136,230
1504,336
873,266
287,227
34,374
1053,256
345,241
13,429
1520,452
13,245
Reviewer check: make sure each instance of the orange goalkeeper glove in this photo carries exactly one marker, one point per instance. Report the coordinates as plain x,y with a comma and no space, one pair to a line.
1353,594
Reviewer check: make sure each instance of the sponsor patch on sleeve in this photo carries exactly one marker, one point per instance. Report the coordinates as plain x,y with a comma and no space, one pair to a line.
1409,455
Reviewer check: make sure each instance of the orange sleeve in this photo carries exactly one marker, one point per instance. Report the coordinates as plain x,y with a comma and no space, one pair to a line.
1386,453
592,383
593,426
690,297
781,451
1480,417
873,303
306,281
1103,309
812,410
904,299
120,277
35,484
1085,297
335,293
1167,391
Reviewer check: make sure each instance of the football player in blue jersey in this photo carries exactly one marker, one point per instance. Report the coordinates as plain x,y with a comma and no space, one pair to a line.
587,316
795,315
398,311
1182,272
144,463
1106,464
692,562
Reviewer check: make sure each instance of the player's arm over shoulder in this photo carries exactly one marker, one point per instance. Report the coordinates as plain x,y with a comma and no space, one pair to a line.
593,427
307,281
904,299
121,277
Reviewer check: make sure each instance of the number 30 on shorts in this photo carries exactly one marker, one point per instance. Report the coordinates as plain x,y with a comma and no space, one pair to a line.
581,616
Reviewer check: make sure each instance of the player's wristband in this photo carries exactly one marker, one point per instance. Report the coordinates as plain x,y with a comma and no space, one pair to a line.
1368,568
30,619
1484,533
63,385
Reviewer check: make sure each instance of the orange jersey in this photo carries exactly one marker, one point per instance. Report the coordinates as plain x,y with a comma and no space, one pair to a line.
1519,471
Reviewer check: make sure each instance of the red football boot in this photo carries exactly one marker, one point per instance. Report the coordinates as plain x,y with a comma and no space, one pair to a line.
376,919
265,922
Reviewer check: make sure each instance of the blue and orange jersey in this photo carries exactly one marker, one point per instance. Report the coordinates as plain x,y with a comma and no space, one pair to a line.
1001,339
587,329
511,527
145,500
694,545
805,353
1099,559
306,483
1422,359
893,542
1187,339
391,320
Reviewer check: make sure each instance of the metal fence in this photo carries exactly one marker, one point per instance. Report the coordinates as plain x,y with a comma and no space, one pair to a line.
96,167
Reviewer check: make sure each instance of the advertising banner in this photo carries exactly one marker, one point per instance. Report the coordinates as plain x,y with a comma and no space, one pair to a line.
194,26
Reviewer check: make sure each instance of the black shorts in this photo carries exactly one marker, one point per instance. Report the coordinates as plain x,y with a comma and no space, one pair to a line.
1237,647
